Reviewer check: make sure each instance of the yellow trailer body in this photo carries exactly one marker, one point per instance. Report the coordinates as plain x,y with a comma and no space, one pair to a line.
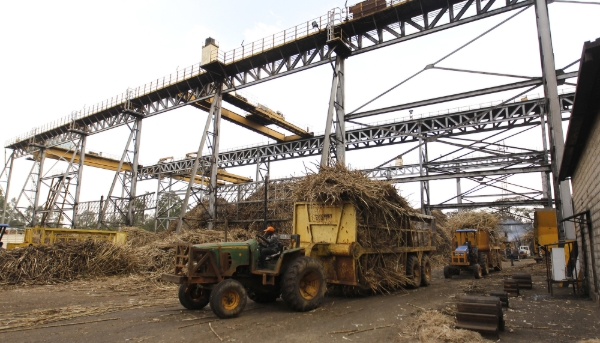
46,236
329,234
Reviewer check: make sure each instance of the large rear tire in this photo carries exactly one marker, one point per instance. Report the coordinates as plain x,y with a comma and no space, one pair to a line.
304,284
193,297
477,271
413,271
483,262
228,298
425,271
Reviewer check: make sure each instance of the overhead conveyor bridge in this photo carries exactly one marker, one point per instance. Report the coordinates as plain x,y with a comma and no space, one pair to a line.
296,49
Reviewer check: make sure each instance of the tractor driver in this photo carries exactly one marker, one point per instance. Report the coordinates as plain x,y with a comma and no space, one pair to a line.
269,246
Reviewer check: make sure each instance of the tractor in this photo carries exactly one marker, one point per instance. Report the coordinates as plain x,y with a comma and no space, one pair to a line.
475,253
226,274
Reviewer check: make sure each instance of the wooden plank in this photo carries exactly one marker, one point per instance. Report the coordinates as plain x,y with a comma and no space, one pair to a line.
521,276
477,317
477,299
488,328
477,308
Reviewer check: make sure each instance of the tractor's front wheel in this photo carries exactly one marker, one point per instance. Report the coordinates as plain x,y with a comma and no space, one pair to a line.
193,297
228,298
304,284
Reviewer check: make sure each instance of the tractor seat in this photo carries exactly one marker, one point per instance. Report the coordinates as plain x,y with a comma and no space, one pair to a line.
272,257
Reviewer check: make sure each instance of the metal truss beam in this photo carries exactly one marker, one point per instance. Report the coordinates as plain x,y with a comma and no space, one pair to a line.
527,158
517,114
459,96
490,204
452,175
388,26
464,168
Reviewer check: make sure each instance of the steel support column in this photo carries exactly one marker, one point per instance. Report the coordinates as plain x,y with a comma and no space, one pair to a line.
214,160
8,168
562,191
335,152
263,168
200,163
458,191
38,186
166,200
78,182
423,160
547,191
109,201
60,201
134,172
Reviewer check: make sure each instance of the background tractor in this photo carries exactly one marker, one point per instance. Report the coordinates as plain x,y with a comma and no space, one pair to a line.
474,250
225,274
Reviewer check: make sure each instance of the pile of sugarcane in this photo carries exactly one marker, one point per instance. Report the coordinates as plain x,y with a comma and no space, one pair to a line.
477,220
47,264
381,214
145,253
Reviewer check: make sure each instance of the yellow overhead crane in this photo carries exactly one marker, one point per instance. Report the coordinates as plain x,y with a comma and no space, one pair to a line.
264,115
92,159
257,119
96,160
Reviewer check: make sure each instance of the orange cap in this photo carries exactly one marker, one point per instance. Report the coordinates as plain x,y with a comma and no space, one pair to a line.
270,229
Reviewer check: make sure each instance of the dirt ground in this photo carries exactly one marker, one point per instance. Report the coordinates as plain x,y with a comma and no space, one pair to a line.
121,310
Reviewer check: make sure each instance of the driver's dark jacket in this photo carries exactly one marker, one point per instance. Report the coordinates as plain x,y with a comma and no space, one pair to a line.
272,241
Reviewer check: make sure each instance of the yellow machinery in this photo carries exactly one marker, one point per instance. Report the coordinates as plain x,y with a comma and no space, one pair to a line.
46,236
547,243
473,249
545,229
330,235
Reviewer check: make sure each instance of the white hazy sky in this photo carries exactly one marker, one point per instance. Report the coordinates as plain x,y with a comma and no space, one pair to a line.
60,56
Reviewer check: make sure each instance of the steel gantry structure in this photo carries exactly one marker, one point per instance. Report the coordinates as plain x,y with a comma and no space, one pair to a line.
331,38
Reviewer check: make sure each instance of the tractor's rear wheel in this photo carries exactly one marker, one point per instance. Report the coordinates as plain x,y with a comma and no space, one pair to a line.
477,271
413,271
263,298
483,262
425,271
193,297
304,284
228,298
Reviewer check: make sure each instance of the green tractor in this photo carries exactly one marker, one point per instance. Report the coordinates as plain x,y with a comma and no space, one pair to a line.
226,274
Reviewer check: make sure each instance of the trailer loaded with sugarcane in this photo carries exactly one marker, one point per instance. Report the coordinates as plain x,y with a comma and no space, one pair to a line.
329,246
347,232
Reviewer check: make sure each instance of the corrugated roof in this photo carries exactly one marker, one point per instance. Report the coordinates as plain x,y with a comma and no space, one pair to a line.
586,108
